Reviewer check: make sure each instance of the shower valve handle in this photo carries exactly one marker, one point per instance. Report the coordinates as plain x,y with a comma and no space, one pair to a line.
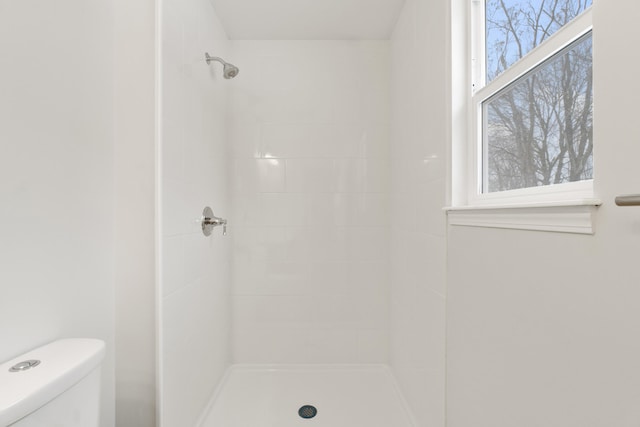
210,221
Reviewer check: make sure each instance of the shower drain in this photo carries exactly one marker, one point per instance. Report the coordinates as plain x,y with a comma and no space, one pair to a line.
307,411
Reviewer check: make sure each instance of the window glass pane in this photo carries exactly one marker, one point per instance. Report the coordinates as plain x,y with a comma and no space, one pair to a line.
515,27
539,130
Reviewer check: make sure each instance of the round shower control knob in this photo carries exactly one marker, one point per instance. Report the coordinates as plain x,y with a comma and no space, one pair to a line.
24,366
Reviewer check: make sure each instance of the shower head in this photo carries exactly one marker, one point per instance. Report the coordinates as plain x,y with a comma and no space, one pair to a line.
230,70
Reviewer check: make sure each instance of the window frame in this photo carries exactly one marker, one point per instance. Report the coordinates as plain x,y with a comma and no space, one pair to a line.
480,91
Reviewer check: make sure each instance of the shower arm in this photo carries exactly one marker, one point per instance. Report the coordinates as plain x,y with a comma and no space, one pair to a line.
210,58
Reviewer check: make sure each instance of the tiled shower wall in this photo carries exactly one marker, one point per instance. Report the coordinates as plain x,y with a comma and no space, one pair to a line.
309,125
418,243
195,308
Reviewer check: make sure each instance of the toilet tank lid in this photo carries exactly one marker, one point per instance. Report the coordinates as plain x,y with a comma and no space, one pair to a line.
63,363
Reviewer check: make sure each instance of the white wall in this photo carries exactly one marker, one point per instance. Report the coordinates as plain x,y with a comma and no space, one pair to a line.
56,177
542,327
309,143
134,131
418,243
195,307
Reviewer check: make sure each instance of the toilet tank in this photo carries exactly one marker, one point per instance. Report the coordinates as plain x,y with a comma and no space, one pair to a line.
57,385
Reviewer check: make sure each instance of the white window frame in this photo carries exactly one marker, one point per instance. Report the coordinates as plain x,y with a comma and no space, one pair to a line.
481,91
567,207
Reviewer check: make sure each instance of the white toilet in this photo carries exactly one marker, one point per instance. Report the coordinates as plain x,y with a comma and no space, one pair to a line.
57,385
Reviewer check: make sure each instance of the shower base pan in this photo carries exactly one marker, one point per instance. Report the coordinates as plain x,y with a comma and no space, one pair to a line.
308,396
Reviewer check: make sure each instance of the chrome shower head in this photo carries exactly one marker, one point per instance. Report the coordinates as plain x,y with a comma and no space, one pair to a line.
230,70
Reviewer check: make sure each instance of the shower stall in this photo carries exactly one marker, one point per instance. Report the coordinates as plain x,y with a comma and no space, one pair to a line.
304,156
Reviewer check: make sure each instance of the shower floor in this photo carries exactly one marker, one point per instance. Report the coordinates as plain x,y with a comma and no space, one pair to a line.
345,396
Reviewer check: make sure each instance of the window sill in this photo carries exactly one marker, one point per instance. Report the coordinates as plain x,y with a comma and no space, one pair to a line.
576,216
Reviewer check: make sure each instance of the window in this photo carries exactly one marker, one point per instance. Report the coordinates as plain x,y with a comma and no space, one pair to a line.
531,107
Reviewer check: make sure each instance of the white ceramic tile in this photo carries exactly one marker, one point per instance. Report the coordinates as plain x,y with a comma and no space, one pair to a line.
249,246
283,285
195,257
373,342
258,175
246,275
423,390
247,210
367,210
404,211
417,153
372,309
218,248
369,277
263,277
433,168
373,211
349,175
368,244
408,348
319,140
173,273
430,208
329,278
327,244
300,244
287,140
294,106
310,176
335,311
288,270
434,271
339,141
268,345
376,141
280,210
272,311
346,107
376,173
282,72
173,129
296,247
331,346
196,307
186,322
327,209
245,135
175,218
